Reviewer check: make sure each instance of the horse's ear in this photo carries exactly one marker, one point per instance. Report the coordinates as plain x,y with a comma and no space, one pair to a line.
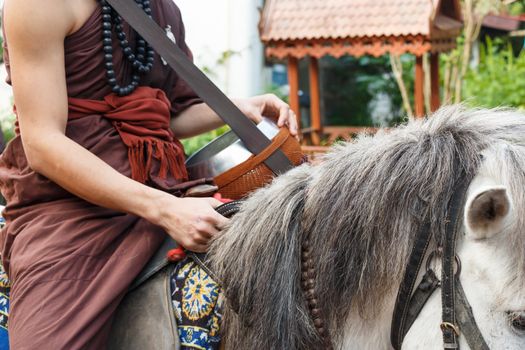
486,212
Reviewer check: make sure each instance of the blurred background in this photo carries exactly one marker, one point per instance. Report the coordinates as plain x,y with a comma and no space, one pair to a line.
348,66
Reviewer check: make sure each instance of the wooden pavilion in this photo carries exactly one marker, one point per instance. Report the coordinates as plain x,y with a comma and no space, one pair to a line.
294,29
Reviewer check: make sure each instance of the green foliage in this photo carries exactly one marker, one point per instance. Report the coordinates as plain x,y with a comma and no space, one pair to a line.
349,84
517,8
193,144
277,91
498,79
219,62
1,44
7,125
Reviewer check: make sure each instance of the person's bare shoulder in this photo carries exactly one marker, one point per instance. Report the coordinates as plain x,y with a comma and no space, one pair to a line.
33,24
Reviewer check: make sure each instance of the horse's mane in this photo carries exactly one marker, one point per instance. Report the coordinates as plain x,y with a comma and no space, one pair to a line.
362,207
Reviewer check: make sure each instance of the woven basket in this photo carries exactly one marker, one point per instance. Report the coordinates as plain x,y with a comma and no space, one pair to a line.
252,174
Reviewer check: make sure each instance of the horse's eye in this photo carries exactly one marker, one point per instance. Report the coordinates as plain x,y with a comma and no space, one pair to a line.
517,321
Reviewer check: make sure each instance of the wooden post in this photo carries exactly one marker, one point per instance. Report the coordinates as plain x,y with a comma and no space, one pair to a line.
419,84
315,101
293,81
434,81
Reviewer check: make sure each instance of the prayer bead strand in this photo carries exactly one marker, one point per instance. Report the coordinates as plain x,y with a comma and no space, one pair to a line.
141,60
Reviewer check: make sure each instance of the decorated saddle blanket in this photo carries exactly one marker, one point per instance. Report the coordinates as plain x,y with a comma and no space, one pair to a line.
197,304
4,308
4,302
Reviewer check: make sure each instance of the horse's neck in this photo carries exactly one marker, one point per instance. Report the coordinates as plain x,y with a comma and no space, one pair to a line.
370,331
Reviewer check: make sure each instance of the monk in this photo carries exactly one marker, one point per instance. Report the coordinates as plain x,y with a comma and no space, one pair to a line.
94,176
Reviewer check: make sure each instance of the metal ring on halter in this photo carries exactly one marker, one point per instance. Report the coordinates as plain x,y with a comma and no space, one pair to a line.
435,253
448,325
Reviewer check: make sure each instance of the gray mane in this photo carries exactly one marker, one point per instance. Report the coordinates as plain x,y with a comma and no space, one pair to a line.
362,207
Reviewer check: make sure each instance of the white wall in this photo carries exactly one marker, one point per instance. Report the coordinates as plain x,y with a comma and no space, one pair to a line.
217,26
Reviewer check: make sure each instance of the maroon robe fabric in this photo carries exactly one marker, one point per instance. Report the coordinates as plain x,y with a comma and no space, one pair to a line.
142,120
71,262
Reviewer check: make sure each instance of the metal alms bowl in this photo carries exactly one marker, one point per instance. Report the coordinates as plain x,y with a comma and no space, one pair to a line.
224,153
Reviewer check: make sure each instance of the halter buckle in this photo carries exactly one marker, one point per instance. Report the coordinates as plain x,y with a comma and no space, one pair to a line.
449,326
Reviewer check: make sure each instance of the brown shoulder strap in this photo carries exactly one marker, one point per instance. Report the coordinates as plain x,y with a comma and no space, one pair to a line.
253,138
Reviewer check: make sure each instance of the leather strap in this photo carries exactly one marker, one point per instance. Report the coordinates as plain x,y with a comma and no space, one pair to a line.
448,280
404,312
423,292
400,326
467,322
252,137
233,174
229,209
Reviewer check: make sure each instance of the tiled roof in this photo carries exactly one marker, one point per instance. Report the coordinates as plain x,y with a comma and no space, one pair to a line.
332,19
502,22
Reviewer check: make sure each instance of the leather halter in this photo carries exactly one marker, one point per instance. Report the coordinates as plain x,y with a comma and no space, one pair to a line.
456,312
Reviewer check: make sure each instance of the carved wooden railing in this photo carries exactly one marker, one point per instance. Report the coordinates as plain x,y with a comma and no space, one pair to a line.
331,134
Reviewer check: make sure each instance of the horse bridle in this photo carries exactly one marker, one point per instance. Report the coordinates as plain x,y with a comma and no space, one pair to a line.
456,312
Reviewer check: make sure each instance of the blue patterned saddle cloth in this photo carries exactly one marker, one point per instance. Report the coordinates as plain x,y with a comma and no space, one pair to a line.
197,304
4,301
4,308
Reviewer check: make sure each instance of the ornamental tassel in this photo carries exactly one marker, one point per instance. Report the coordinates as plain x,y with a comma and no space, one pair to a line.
170,157
136,162
163,159
175,160
149,155
171,160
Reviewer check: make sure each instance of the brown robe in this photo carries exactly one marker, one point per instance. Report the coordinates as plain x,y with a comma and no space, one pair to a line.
70,261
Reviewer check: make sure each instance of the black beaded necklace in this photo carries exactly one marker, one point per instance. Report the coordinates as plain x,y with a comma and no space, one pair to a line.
141,60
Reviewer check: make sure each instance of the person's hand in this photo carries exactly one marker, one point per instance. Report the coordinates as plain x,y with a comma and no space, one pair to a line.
269,106
192,222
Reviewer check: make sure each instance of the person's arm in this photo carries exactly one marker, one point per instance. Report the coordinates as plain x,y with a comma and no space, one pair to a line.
35,35
200,118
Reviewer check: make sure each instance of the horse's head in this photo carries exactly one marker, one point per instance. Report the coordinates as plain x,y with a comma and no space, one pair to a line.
490,249
492,227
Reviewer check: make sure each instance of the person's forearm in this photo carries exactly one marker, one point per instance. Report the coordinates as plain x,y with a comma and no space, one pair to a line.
195,120
201,118
85,175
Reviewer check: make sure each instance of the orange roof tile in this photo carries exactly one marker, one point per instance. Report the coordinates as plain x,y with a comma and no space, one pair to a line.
293,20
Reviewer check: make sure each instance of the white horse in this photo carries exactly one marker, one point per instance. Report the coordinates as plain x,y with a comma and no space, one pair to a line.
360,211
